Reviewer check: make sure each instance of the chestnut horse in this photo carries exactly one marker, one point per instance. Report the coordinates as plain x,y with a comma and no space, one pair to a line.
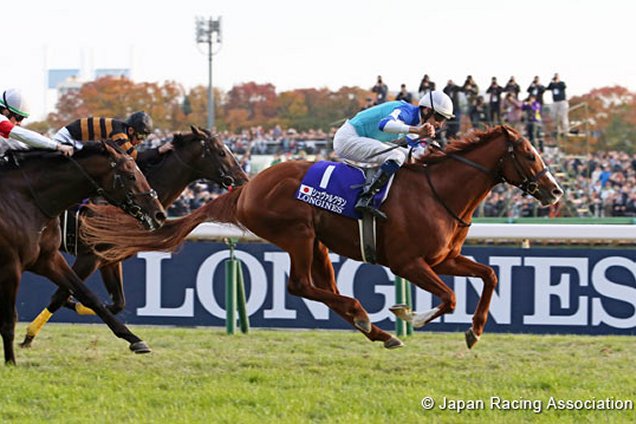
196,155
429,209
35,188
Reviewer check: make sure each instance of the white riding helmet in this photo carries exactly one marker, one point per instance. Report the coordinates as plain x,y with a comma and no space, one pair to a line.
12,99
439,102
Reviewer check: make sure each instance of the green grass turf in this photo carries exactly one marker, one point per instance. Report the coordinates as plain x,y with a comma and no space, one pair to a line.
82,373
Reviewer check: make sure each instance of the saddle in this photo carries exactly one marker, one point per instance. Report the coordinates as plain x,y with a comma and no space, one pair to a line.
335,187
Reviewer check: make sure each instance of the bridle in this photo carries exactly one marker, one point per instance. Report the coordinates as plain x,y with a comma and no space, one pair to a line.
224,178
128,204
528,184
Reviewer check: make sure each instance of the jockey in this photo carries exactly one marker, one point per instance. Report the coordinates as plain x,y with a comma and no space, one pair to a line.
369,132
127,134
13,110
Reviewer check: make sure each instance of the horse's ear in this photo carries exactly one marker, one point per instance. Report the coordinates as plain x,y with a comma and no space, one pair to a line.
112,148
509,132
106,144
196,131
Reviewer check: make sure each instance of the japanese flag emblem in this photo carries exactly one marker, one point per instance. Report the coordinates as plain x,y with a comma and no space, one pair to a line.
305,189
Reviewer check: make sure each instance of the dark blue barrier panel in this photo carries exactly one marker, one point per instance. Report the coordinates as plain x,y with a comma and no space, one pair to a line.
555,290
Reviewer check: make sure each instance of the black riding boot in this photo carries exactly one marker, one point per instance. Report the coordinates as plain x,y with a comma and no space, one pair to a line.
372,186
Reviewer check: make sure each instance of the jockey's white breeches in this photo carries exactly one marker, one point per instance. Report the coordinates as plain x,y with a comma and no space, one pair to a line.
351,146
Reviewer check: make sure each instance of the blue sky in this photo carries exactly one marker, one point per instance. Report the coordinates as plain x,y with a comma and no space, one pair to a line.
298,44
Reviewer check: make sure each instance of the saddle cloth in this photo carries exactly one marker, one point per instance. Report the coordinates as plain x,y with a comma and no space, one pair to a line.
335,187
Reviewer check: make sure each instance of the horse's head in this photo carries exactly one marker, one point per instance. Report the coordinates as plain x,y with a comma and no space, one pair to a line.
211,160
126,187
522,166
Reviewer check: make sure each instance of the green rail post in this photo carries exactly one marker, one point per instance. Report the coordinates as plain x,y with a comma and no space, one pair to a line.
234,292
400,298
409,302
231,271
244,320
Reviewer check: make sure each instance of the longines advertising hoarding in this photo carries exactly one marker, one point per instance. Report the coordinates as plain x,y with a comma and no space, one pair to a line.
564,290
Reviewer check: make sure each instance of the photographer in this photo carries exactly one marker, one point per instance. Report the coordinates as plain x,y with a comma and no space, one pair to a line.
561,107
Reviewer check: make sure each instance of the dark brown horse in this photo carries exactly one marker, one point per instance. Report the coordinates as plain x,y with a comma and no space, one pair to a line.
195,156
35,188
428,209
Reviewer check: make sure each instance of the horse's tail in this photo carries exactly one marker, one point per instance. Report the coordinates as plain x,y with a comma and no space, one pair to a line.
116,236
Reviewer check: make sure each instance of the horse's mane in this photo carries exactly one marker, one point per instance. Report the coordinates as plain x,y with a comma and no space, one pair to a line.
179,138
467,143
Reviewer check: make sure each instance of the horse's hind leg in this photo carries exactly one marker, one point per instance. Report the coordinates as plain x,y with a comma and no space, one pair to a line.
463,266
323,277
83,269
112,276
300,249
9,281
56,269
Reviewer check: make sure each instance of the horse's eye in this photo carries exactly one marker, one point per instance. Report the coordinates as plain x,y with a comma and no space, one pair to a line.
221,153
132,177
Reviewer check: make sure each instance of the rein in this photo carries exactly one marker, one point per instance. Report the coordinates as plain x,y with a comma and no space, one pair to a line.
528,185
462,223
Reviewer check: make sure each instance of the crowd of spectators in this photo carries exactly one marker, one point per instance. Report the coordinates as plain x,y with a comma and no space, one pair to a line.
600,185
497,104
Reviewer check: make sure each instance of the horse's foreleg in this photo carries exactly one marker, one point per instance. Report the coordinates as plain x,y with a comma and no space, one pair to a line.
422,275
83,268
112,275
323,277
9,281
61,274
465,267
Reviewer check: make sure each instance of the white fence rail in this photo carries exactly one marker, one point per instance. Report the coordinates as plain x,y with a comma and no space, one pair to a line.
499,232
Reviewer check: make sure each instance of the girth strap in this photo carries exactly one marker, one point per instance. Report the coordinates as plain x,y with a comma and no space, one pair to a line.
366,227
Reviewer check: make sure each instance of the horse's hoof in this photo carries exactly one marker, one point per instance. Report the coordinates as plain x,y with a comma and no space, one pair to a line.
27,342
393,343
401,311
363,325
140,347
471,338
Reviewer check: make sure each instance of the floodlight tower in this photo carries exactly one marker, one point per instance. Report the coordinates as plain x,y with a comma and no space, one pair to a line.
208,30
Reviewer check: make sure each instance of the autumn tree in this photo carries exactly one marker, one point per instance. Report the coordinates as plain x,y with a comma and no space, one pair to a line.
198,98
118,97
250,104
611,113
